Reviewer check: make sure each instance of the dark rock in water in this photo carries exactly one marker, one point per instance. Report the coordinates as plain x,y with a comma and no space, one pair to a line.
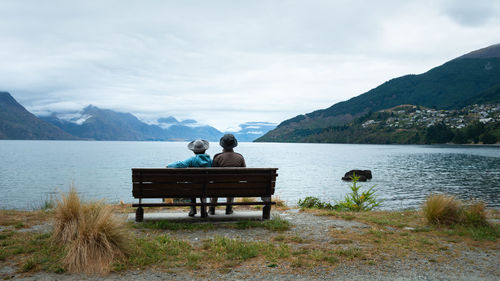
363,175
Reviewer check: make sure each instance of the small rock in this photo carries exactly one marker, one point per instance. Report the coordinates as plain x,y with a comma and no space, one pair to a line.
362,174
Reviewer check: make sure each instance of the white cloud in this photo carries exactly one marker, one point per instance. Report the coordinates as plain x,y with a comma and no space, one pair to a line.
225,63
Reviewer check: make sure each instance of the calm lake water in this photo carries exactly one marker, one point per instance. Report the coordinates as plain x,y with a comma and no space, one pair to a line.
32,171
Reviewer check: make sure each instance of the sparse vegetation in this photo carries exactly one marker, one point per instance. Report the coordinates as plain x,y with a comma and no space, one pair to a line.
440,209
354,201
311,202
383,235
92,238
359,201
276,223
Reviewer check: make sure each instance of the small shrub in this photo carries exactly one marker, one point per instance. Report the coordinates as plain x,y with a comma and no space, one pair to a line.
442,209
311,202
475,214
448,210
92,237
359,201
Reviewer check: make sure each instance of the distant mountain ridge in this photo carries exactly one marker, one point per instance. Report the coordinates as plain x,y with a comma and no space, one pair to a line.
252,130
103,124
18,123
93,123
471,78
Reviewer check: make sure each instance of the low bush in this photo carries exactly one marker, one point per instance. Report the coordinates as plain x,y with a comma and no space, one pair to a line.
475,214
444,209
311,202
354,201
92,238
359,201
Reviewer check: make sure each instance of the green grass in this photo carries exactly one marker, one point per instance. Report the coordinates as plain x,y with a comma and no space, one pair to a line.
327,256
274,224
193,260
232,249
297,238
5,235
280,237
167,225
19,225
157,250
478,233
36,251
350,253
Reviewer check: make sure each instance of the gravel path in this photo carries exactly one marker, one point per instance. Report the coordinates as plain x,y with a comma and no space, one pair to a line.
472,264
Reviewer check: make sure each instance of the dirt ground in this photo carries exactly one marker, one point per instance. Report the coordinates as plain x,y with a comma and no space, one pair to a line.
452,260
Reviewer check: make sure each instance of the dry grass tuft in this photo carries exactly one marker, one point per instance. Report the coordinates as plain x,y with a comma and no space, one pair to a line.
92,237
442,209
279,203
448,210
475,214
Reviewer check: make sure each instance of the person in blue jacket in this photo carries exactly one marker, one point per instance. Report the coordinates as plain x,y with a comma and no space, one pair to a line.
200,159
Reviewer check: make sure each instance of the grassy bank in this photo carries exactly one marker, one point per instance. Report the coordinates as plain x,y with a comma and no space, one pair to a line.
26,242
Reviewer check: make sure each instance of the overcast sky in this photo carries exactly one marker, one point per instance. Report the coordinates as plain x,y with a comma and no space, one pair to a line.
224,63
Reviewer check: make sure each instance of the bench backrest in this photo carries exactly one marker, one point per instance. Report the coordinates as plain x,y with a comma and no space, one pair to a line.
203,182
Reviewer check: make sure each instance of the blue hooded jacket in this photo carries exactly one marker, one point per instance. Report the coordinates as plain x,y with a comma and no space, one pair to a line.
199,160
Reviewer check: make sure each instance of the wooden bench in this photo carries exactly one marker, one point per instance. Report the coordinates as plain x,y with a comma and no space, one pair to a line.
202,183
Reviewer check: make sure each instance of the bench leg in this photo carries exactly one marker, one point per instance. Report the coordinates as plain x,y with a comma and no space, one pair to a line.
139,214
203,208
266,212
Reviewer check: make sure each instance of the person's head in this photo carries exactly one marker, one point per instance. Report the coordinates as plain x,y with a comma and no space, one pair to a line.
228,142
198,146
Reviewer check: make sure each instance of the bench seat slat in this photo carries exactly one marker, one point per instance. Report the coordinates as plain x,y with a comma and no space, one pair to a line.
201,177
197,186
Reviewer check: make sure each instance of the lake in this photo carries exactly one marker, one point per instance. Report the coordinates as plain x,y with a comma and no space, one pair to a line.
404,175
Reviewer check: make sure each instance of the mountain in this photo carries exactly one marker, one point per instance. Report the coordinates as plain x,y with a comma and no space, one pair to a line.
250,131
18,123
411,124
93,123
104,124
471,78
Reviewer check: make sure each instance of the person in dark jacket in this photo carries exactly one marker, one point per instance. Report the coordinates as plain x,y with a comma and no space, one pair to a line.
228,158
200,159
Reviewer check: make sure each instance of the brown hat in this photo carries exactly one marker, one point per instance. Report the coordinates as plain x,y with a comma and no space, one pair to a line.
198,146
228,141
